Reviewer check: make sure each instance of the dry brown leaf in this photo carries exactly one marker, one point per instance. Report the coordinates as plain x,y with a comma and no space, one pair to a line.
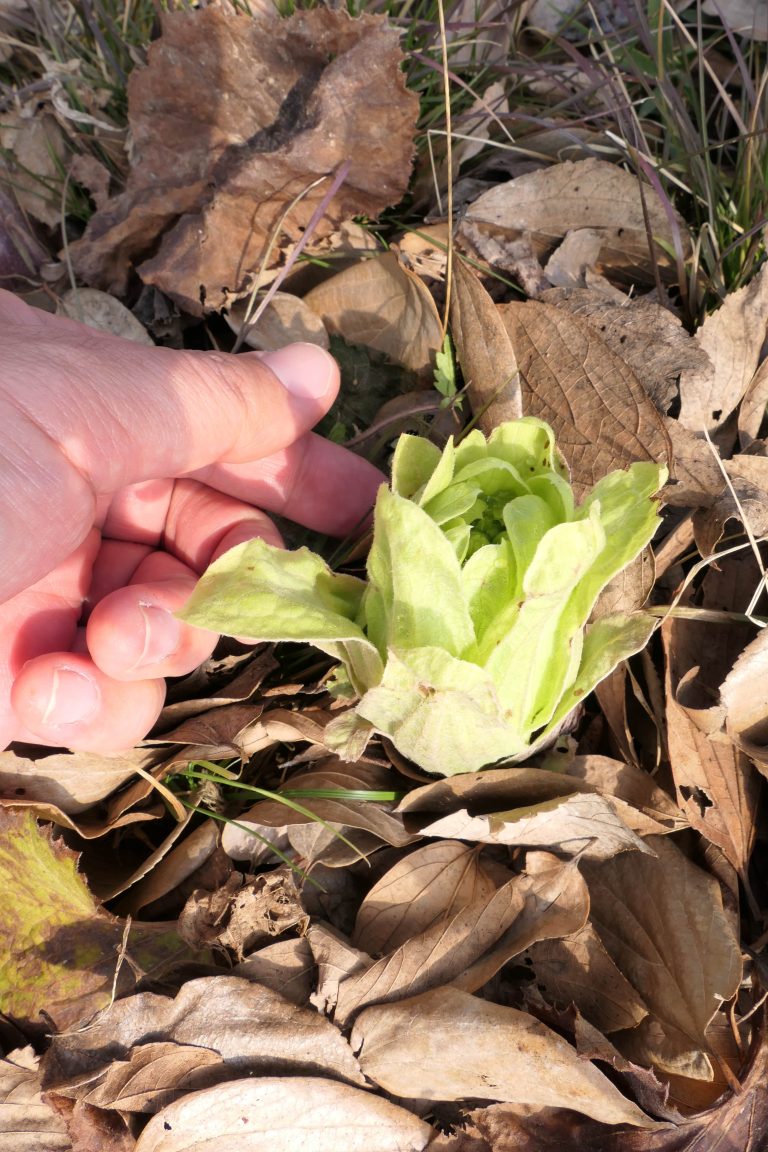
252,1029
593,194
93,1129
625,781
747,17
744,693
34,152
436,956
555,903
433,882
244,913
661,920
732,337
739,1124
629,589
151,1076
744,499
210,179
584,825
286,967
601,414
651,339
180,862
484,351
285,1114
336,962
72,781
27,1123
381,304
285,320
448,1045
101,311
578,970
716,786
489,790
752,407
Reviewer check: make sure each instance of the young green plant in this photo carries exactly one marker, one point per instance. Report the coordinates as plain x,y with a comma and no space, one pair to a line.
470,640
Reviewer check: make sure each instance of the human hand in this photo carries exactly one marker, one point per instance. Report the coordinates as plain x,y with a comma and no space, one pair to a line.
124,470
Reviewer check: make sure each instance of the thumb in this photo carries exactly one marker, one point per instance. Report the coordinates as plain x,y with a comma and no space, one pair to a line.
83,413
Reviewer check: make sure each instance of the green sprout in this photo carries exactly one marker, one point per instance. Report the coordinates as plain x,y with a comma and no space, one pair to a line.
470,641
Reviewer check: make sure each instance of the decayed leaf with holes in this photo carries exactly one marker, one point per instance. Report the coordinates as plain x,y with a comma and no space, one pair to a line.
448,1045
433,882
27,1123
661,920
716,786
649,338
602,416
61,950
381,304
244,912
210,179
578,970
590,194
484,351
584,825
732,337
284,1114
251,1030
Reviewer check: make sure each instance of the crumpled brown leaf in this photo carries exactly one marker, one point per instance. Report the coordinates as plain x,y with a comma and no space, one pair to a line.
249,1028
593,194
602,416
448,1045
284,1114
211,177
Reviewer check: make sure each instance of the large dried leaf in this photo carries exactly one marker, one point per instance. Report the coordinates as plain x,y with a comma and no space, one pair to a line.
448,1045
716,786
649,338
428,884
591,194
602,416
583,825
286,1114
211,178
72,781
27,1124
60,951
744,693
578,970
250,1029
661,920
556,903
484,351
381,304
732,337
436,956
286,966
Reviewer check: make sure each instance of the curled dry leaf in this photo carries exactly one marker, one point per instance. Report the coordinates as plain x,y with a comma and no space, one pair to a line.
27,1123
592,194
744,695
430,883
251,1029
211,179
578,970
448,1045
383,305
245,912
732,337
584,825
484,351
602,416
716,786
744,498
286,1114
661,920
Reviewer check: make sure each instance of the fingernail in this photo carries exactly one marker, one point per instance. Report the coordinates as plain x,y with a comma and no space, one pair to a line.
304,370
74,698
162,635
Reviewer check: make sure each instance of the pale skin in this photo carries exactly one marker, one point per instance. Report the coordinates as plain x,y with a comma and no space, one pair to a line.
124,470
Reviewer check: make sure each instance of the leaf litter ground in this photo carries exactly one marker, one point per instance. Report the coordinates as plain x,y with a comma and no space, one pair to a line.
229,937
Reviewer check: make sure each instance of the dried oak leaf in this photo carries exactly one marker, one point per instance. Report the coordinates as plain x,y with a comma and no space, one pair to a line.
232,117
593,194
602,416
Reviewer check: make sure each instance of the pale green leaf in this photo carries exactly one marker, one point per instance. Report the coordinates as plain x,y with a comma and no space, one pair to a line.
414,461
